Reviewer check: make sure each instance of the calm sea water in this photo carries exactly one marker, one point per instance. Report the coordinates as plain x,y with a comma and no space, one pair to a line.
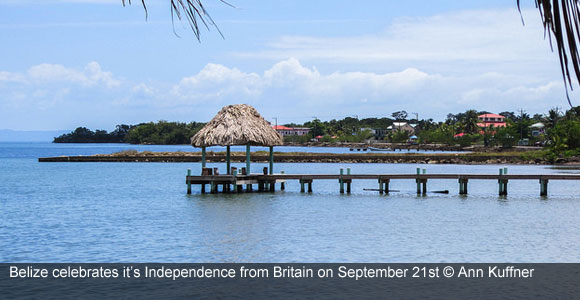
139,212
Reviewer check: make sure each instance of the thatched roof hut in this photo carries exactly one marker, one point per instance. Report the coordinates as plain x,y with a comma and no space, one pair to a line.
238,124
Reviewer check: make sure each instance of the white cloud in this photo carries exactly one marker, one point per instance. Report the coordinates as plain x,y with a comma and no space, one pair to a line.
216,82
457,42
91,75
434,65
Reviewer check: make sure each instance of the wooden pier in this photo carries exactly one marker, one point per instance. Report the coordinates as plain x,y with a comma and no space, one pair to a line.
267,182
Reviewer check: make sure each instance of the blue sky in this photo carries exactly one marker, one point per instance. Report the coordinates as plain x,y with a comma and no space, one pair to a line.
69,63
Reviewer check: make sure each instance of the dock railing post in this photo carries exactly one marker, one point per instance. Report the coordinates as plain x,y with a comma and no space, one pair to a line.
188,182
341,181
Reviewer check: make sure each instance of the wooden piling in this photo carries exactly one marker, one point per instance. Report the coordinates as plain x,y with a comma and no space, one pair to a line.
418,181
282,184
341,181
203,162
424,181
301,185
499,181
503,182
310,186
463,186
188,183
228,164
348,182
543,187
237,188
248,186
271,160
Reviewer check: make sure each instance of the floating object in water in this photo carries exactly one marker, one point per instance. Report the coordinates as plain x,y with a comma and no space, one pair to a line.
441,192
377,190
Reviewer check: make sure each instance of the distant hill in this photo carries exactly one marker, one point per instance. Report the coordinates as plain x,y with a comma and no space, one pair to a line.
8,135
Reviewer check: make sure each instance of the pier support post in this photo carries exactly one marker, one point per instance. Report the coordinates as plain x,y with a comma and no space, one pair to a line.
272,186
235,186
348,182
499,181
341,181
248,186
543,187
213,187
282,184
228,164
271,160
418,181
463,186
424,181
381,184
187,181
301,185
310,186
261,186
503,183
203,158
387,181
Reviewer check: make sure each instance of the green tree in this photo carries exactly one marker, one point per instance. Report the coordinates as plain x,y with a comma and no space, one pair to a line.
470,121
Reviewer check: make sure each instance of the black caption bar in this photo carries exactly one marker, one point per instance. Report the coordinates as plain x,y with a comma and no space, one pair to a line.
310,281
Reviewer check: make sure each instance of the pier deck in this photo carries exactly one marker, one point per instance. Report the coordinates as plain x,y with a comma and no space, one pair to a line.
268,182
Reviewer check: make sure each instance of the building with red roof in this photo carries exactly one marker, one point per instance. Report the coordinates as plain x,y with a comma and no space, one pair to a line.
489,120
286,131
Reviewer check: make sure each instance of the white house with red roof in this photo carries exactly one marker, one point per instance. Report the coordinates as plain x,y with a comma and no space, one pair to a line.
489,120
287,131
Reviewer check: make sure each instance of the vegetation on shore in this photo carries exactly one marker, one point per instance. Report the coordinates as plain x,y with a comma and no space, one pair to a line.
158,133
561,137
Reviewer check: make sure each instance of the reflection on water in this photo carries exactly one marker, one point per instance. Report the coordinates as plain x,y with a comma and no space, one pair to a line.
119,212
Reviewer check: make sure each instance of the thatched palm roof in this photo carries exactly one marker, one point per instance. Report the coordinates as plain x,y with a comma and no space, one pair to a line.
238,124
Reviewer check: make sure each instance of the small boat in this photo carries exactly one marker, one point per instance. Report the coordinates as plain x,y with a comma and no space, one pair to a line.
379,149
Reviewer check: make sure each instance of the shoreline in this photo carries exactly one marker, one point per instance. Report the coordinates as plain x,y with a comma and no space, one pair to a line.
521,158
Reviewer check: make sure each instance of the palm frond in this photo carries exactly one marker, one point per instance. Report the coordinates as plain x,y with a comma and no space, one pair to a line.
191,10
561,20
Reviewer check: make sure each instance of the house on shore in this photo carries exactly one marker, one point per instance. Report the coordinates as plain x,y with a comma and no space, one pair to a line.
378,133
404,126
489,120
291,131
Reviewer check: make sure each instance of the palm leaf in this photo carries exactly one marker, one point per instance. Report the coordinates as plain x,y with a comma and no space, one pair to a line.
561,20
191,10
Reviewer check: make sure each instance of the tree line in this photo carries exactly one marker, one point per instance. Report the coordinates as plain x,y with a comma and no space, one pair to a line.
157,133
